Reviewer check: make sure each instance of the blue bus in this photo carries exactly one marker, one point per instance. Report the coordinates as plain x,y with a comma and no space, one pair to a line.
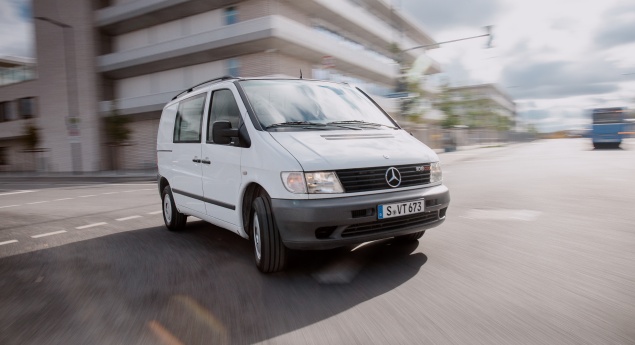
609,127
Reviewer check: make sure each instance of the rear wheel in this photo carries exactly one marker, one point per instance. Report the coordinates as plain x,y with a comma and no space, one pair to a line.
269,251
410,237
174,220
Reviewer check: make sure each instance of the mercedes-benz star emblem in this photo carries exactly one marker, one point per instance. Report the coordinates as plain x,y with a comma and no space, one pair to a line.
393,177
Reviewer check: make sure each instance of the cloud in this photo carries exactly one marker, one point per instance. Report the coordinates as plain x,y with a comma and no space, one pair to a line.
16,29
528,79
620,29
549,119
450,14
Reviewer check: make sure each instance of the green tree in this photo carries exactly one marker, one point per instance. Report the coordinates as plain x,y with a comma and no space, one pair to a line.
408,106
31,140
449,106
117,133
31,136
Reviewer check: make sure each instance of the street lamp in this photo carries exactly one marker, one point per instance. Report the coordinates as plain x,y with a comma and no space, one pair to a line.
488,29
72,119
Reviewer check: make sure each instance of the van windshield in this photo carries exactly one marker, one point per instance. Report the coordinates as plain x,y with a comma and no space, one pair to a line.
310,104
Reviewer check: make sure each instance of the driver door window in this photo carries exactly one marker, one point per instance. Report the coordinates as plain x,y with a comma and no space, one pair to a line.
223,108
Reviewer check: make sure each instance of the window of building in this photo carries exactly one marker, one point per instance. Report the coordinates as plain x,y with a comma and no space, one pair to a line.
6,111
187,127
4,160
353,44
26,107
223,108
231,15
233,67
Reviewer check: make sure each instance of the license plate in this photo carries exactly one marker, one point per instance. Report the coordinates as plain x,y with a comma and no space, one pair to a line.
400,209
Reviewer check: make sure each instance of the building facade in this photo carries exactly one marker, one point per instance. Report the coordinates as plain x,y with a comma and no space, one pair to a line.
492,97
130,57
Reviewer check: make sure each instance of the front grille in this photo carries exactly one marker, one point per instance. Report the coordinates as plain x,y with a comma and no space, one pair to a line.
367,179
390,224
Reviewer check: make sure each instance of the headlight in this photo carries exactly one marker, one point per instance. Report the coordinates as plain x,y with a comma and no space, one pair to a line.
313,183
435,172
323,182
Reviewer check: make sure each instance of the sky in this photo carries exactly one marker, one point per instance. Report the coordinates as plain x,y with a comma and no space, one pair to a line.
556,58
16,28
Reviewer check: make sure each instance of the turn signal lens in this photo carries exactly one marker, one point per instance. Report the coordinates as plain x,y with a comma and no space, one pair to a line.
294,182
435,172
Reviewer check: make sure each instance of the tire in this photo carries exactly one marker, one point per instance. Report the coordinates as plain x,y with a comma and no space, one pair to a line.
269,251
174,220
410,237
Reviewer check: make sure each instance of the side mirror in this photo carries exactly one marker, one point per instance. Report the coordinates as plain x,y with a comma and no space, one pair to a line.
222,132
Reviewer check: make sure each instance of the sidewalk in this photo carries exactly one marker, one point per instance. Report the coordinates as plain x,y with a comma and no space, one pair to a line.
95,176
151,175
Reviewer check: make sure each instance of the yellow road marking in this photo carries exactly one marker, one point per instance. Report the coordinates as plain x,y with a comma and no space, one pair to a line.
163,334
204,315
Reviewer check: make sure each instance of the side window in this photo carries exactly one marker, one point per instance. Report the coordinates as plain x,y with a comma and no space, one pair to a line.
223,108
187,127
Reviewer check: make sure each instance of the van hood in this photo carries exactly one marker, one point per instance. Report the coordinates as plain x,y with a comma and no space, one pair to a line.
335,150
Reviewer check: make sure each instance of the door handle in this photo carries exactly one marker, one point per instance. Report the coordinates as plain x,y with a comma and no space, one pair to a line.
196,160
205,161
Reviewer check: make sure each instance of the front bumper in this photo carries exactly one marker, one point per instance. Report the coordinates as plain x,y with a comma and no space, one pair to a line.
337,222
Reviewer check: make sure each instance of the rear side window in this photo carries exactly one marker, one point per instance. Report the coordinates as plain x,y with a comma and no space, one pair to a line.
187,127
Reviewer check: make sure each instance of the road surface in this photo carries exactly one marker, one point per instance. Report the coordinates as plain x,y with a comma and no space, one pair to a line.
538,248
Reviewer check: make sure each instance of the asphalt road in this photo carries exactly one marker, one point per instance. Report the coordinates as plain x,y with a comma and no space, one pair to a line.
538,248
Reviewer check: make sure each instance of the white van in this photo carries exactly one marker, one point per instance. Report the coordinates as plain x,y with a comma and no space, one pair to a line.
294,163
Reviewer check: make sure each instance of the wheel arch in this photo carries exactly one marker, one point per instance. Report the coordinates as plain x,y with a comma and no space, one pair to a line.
251,192
163,182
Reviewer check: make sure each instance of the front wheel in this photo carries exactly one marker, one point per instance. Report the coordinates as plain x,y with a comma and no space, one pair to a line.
269,251
174,220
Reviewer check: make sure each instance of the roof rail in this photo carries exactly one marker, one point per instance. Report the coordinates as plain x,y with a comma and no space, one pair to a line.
226,77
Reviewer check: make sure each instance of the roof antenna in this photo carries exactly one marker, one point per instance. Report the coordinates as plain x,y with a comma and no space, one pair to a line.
300,73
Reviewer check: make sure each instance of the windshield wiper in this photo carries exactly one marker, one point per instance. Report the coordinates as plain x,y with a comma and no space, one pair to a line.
295,123
359,122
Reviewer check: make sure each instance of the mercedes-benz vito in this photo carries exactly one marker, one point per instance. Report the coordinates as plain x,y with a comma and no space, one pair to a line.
294,163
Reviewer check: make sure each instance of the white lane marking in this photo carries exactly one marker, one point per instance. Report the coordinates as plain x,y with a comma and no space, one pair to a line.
49,234
126,218
17,192
109,193
502,214
482,160
155,212
132,184
8,242
87,196
90,225
62,199
9,206
136,190
37,202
